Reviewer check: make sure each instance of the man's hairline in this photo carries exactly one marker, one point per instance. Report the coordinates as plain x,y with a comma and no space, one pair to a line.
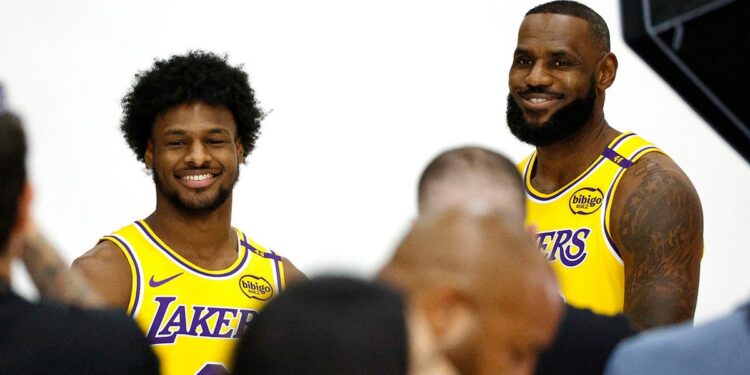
589,27
503,183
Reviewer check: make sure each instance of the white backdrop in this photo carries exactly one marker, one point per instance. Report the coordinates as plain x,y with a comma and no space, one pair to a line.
362,95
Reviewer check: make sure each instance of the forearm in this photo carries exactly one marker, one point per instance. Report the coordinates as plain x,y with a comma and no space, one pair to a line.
52,277
660,301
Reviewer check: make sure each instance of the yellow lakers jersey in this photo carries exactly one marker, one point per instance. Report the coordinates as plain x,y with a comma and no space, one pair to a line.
574,222
193,316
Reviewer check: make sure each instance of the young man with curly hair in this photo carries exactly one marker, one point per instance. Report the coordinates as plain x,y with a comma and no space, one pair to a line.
189,278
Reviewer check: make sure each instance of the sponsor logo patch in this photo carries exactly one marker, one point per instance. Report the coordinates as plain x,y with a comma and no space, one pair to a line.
586,201
256,287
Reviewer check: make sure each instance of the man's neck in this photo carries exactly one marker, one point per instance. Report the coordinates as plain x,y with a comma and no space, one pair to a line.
560,163
204,238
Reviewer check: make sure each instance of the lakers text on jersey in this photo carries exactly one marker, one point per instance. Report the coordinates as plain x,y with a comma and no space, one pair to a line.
194,316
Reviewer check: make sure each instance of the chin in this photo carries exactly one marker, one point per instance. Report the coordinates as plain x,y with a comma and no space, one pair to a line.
535,122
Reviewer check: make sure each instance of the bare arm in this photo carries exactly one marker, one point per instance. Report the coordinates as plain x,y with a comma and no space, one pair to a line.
292,275
51,275
107,270
657,223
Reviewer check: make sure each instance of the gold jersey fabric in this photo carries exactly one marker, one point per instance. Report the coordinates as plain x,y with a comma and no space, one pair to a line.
192,316
573,226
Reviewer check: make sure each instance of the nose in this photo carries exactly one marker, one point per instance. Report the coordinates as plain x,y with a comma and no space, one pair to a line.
197,155
538,76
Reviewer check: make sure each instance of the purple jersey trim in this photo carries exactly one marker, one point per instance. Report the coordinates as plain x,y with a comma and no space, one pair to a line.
577,180
624,137
616,158
258,252
137,272
606,209
189,266
276,260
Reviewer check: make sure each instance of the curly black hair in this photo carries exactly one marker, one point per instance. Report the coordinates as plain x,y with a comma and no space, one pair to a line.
197,76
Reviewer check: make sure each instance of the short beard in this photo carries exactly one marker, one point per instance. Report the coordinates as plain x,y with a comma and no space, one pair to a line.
192,207
565,123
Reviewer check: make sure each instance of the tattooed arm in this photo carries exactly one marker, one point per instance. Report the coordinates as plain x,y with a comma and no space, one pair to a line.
52,277
657,223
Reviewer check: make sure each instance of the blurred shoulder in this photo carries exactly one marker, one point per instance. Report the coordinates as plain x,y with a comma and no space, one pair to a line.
718,346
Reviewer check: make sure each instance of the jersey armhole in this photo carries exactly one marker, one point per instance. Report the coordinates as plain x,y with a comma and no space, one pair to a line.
610,195
278,265
135,274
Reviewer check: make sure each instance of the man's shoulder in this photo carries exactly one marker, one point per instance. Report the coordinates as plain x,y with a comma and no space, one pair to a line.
256,247
645,158
108,246
656,176
64,339
96,323
719,346
107,269
104,254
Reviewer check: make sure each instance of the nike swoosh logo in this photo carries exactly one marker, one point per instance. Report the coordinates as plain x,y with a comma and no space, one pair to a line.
153,283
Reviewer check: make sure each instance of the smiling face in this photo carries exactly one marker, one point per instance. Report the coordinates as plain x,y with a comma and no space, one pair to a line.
553,81
194,153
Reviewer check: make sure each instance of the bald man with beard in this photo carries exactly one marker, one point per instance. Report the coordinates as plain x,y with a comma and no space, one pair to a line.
484,319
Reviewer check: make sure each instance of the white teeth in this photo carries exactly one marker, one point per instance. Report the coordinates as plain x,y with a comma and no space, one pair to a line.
537,100
199,177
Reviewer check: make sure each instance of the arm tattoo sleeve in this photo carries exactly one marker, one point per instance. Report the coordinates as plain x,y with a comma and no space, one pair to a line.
53,279
661,228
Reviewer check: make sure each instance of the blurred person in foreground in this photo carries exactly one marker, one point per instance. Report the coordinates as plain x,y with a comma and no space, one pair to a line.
331,325
488,298
721,346
49,337
471,176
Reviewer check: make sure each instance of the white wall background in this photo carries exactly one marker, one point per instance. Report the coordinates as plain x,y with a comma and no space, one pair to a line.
362,94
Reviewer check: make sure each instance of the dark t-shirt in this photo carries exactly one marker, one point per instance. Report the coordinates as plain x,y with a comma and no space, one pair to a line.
584,343
51,339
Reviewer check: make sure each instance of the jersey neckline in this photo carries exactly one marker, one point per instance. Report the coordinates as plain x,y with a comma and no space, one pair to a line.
548,196
242,253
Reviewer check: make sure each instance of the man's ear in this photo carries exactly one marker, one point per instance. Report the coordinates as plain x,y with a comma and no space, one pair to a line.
452,317
607,71
148,155
240,150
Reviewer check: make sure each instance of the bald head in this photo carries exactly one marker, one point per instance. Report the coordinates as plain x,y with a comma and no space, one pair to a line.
472,176
482,285
464,248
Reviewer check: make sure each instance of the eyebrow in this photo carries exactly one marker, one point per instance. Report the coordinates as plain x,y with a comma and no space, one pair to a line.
219,131
181,132
174,132
521,51
561,53
555,53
